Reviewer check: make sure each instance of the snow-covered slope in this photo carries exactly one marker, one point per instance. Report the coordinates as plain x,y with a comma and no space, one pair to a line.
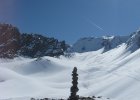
114,74
94,43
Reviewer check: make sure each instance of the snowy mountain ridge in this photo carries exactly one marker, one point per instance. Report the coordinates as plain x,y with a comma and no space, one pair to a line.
107,42
107,66
13,43
96,43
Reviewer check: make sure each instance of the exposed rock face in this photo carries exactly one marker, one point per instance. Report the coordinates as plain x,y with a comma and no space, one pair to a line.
9,41
133,42
34,45
12,44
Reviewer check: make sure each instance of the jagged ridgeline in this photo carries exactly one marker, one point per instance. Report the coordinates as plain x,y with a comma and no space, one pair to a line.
13,43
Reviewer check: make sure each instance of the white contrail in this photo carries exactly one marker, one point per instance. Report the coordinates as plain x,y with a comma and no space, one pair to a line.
97,26
94,24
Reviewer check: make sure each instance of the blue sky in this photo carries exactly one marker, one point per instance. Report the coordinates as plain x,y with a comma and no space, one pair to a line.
72,19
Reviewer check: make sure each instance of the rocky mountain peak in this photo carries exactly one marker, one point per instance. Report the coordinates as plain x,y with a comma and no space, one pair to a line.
13,43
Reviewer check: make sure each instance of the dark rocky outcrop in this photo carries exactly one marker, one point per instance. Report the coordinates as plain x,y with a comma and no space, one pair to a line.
13,43
9,41
34,45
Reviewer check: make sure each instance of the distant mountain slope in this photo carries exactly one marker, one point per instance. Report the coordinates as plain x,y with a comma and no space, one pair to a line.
94,43
13,43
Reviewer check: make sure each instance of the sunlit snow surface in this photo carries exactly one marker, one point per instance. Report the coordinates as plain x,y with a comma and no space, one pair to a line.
114,74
